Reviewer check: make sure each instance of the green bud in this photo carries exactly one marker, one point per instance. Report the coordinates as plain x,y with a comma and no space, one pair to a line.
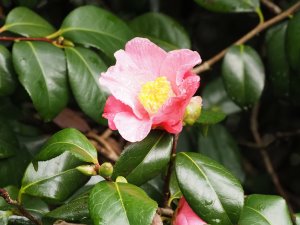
67,43
192,111
106,169
88,170
121,179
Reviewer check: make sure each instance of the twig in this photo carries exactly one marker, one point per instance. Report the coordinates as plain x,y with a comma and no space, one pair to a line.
262,26
5,195
272,6
169,172
265,156
25,39
165,212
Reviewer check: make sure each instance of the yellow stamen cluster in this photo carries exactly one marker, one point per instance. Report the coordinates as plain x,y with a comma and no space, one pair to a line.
154,94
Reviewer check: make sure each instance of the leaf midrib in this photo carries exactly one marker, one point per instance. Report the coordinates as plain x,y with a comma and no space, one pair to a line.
121,200
259,213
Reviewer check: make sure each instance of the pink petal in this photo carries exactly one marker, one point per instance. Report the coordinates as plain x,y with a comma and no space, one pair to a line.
186,216
124,81
111,108
131,128
146,55
177,64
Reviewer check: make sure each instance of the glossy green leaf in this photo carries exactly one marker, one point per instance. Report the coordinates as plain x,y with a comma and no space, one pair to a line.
8,141
211,116
243,75
7,76
4,215
297,218
96,27
84,68
162,30
154,188
70,140
49,178
24,21
209,188
293,43
219,145
41,68
215,96
228,6
175,192
141,161
120,203
277,60
265,210
10,174
73,211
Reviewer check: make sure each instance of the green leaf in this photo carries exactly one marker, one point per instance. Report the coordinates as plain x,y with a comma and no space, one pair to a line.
243,75
8,141
277,59
71,140
24,21
8,110
10,174
228,6
215,96
120,203
175,192
73,211
265,210
13,193
162,30
96,27
219,145
211,116
142,161
84,68
297,218
4,215
154,189
42,71
210,189
7,76
28,3
292,42
49,178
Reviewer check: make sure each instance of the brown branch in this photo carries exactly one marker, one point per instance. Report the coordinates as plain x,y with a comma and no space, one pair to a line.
266,158
25,39
165,212
5,195
259,28
169,172
272,6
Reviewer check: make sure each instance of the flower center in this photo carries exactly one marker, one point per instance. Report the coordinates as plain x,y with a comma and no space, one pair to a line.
154,94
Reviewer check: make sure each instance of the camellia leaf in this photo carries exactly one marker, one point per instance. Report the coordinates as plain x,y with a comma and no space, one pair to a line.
8,141
84,68
243,75
292,42
96,27
154,188
120,203
41,68
297,218
49,178
277,59
265,210
219,145
142,161
210,189
70,140
211,116
7,76
162,30
228,6
24,21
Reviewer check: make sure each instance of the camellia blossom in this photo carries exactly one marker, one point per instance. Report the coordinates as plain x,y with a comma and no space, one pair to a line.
150,89
185,215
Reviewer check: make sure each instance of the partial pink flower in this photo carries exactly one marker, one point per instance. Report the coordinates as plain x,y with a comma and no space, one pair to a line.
150,89
185,215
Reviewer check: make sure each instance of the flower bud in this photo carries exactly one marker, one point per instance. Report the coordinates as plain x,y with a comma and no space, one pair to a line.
67,43
121,179
192,111
88,170
106,169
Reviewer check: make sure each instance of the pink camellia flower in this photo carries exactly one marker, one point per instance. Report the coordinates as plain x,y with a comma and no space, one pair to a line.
185,215
150,89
